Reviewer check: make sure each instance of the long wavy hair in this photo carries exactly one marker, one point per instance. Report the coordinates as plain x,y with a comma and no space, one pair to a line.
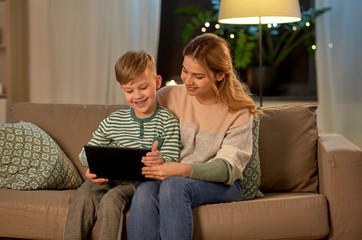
213,53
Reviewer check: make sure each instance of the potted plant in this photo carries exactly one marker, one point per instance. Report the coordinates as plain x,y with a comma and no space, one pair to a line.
278,40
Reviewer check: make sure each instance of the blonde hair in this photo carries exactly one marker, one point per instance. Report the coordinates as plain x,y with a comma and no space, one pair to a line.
133,64
213,53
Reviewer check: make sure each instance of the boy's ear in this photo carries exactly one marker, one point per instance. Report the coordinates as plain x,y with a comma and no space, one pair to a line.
158,81
219,76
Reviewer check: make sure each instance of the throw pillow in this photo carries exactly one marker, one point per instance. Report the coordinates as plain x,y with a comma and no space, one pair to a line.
288,148
252,173
31,160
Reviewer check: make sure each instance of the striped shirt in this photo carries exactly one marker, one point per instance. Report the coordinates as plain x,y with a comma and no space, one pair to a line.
122,128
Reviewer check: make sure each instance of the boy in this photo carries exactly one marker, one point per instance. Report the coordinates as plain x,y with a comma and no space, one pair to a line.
145,125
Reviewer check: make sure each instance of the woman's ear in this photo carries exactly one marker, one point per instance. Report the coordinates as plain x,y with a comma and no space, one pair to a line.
219,76
158,81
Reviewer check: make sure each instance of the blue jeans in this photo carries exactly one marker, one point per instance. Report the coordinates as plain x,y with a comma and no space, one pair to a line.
163,209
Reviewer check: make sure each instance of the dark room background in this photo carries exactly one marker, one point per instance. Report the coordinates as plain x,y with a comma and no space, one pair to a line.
296,76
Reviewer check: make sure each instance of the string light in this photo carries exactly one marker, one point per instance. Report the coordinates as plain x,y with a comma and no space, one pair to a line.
207,24
171,82
307,24
330,45
217,26
203,29
232,36
272,25
314,47
294,28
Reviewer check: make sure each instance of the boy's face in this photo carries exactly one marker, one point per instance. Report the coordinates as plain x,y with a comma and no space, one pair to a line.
140,94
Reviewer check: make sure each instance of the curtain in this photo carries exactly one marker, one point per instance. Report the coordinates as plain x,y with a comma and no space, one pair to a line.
75,44
339,69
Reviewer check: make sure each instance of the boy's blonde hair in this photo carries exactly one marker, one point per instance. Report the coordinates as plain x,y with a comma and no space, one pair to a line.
132,64
213,53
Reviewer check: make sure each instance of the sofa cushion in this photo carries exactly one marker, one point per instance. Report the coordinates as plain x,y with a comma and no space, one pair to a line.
275,216
288,148
31,159
36,214
252,173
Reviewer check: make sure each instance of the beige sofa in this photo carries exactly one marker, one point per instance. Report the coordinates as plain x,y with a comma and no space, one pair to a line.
311,182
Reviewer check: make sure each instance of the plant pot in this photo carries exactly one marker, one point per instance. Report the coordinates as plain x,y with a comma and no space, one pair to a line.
268,76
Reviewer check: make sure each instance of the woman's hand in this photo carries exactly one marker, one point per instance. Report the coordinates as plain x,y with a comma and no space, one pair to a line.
154,157
166,170
94,179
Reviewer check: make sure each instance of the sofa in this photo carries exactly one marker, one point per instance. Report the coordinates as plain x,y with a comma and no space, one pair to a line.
310,182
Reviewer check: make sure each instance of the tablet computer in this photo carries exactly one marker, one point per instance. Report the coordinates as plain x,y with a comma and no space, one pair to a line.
116,163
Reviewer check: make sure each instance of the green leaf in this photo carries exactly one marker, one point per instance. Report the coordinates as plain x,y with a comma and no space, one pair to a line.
188,10
243,51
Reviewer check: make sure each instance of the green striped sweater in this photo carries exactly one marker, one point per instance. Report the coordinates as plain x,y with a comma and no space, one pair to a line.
122,128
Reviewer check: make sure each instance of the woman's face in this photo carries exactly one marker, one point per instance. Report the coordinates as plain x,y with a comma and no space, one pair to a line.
197,81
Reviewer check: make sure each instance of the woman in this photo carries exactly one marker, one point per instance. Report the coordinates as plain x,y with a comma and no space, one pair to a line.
215,112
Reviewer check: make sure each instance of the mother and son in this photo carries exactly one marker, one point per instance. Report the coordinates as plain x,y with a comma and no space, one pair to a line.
200,134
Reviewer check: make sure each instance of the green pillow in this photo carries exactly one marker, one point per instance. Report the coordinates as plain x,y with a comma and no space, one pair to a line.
30,160
252,173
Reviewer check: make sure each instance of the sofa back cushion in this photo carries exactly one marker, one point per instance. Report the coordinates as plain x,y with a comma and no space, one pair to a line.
288,148
70,125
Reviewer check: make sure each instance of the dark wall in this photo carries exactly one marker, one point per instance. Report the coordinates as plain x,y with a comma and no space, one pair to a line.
170,48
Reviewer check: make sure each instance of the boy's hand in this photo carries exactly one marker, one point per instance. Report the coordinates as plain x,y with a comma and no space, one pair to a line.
94,179
154,157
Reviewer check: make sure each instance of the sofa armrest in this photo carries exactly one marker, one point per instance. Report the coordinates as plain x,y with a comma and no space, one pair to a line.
340,180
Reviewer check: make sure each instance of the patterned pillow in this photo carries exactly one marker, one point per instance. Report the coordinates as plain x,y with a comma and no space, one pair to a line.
30,159
252,173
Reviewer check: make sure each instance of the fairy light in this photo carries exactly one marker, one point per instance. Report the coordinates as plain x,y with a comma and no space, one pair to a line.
307,24
330,45
171,82
294,28
207,24
232,36
203,29
314,47
217,26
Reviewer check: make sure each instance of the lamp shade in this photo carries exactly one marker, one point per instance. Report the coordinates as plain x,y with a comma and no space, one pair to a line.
251,11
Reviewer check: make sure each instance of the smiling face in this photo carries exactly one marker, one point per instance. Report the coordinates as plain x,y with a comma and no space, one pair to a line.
197,81
140,93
